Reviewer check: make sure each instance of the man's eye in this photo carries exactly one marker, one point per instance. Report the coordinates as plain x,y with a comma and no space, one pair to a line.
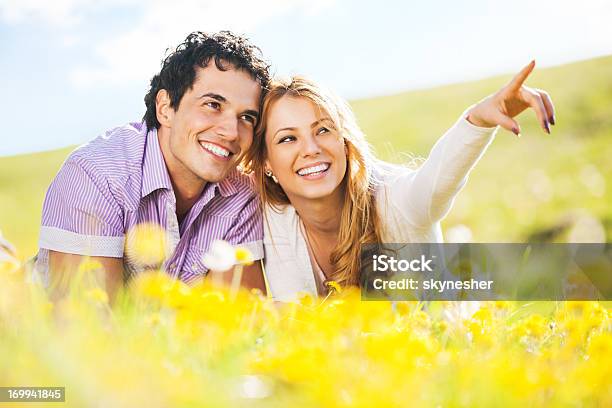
286,139
249,119
213,105
322,130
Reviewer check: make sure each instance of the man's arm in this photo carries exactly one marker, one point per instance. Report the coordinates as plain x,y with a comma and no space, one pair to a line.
247,232
81,220
63,267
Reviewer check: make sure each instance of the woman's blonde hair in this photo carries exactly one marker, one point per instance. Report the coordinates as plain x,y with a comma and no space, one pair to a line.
359,222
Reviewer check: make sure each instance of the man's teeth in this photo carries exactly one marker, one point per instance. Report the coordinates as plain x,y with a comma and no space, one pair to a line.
314,169
215,149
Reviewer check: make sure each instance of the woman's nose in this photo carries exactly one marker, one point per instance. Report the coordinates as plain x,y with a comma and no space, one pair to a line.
310,147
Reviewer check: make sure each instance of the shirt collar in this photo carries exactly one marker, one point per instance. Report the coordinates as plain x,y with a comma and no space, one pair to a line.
154,172
227,186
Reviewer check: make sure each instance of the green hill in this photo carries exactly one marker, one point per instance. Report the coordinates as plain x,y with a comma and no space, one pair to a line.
539,187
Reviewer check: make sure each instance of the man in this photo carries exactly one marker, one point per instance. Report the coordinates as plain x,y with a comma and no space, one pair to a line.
177,169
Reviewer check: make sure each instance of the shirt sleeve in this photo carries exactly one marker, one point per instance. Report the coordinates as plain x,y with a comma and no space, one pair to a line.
247,231
425,196
80,215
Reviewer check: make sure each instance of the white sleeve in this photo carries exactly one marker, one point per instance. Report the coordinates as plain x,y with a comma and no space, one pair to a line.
425,196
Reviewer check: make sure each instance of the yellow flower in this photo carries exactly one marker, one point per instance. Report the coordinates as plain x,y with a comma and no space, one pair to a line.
147,244
88,265
97,295
333,286
244,256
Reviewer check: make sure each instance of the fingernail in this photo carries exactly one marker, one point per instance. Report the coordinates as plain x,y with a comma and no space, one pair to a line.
547,127
516,131
552,120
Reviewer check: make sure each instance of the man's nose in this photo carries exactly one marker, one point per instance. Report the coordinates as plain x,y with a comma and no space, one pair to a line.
227,127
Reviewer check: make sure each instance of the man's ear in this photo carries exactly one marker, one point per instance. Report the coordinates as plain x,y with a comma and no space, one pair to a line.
163,110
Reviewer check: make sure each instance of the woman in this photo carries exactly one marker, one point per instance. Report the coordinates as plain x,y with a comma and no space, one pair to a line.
324,194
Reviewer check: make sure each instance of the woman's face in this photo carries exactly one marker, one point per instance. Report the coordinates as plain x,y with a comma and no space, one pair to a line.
304,150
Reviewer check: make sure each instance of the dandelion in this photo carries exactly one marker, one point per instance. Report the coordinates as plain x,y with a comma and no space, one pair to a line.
89,265
8,256
228,350
147,245
333,286
220,257
97,295
244,256
223,257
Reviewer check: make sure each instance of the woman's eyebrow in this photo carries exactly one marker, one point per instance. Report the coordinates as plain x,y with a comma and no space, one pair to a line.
285,128
316,122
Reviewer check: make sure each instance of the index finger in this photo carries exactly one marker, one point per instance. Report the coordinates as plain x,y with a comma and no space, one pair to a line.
518,80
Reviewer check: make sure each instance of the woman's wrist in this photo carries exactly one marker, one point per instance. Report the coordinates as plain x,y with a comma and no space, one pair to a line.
476,120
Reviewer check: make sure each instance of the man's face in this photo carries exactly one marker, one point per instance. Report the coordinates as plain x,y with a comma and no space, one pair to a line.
213,125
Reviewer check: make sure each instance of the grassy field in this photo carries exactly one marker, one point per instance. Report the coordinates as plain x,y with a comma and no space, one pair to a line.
539,187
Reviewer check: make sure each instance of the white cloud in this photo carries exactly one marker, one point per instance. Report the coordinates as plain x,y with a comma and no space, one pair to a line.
58,13
159,24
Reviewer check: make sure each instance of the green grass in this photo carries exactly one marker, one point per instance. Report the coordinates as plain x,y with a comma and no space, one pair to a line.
522,189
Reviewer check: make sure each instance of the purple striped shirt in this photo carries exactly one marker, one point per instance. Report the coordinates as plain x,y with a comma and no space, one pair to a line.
119,180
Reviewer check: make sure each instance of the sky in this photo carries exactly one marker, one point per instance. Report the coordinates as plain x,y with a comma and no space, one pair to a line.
70,69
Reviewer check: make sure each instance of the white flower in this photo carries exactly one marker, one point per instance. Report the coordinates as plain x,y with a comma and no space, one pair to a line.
6,248
459,311
220,257
8,256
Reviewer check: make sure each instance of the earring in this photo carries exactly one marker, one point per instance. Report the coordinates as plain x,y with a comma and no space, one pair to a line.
272,176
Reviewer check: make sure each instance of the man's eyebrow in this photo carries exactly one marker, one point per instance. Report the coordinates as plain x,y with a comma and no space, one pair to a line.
214,96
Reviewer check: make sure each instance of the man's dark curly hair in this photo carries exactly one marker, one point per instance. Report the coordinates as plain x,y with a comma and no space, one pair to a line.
178,72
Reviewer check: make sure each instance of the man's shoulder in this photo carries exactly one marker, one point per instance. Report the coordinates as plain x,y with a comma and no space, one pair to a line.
115,155
113,161
116,150
242,183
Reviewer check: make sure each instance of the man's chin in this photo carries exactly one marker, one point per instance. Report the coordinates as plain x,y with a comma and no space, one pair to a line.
214,177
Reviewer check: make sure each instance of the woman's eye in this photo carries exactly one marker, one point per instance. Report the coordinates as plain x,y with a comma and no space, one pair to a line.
286,139
322,130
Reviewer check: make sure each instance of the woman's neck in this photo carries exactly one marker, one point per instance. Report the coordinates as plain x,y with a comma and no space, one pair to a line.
321,216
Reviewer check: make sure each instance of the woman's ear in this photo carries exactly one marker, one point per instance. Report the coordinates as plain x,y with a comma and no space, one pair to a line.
268,171
163,110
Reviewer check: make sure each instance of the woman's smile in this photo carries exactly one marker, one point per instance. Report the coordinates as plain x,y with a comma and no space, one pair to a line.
314,171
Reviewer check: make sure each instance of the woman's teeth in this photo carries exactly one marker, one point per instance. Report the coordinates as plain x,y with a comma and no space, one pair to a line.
219,151
314,169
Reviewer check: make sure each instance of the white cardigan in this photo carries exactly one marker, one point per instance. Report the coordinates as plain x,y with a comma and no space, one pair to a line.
411,204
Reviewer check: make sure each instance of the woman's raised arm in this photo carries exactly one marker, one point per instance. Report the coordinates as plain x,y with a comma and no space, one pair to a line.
501,107
426,195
